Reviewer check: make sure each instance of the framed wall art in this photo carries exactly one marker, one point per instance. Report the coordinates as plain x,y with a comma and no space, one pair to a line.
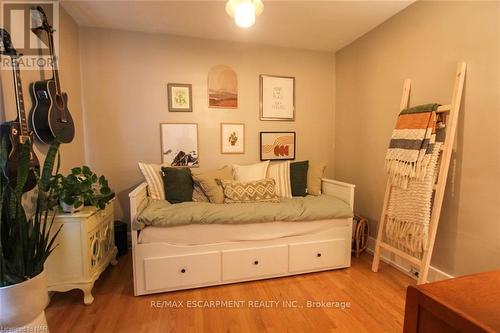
277,146
179,144
277,98
180,97
232,138
222,88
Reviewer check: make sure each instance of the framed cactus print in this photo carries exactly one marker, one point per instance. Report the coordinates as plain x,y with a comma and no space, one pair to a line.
232,138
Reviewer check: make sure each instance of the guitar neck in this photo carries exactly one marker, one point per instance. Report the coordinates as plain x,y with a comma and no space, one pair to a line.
21,113
55,71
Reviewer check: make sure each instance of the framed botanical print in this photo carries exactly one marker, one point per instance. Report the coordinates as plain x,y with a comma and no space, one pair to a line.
180,97
179,144
232,138
277,146
277,98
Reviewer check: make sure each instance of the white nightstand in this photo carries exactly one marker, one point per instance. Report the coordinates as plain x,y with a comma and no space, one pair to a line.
86,246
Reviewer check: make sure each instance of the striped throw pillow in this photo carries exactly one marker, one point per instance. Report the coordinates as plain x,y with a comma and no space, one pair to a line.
245,192
280,172
152,175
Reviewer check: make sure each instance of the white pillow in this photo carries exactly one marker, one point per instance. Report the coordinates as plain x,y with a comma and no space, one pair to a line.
152,175
280,172
250,173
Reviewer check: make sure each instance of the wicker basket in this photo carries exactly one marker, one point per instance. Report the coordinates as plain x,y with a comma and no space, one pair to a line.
360,234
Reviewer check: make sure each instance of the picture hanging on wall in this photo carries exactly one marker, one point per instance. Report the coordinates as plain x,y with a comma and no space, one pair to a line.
180,97
277,98
179,144
277,146
232,138
222,88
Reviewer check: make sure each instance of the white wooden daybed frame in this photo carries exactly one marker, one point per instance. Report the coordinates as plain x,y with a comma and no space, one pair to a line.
162,267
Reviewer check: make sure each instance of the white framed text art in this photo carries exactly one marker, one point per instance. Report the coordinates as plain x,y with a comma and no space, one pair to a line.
277,98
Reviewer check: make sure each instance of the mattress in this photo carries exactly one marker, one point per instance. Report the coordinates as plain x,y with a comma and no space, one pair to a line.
201,234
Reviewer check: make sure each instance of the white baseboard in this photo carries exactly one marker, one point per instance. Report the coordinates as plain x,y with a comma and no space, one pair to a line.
403,266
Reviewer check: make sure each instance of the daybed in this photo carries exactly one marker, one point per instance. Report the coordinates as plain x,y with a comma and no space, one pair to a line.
194,255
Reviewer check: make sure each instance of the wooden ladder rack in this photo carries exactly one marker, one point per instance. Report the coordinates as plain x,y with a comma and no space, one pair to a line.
449,115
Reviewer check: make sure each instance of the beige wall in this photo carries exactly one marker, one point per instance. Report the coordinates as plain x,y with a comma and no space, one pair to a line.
69,64
424,42
124,83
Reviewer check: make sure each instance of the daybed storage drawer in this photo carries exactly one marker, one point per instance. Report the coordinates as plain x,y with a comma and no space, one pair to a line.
255,262
317,255
179,271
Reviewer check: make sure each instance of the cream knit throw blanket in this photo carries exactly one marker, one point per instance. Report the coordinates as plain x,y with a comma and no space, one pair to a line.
411,144
409,210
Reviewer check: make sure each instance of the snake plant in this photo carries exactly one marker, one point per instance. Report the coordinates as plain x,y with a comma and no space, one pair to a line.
25,241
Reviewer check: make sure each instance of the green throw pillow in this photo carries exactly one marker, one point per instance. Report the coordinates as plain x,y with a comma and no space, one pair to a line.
298,178
178,184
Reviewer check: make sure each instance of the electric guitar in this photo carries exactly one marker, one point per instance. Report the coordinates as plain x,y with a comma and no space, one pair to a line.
18,131
49,117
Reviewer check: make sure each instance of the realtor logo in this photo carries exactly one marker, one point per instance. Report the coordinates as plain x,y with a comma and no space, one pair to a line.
20,19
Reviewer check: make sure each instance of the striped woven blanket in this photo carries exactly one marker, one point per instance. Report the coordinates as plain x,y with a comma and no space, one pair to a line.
411,144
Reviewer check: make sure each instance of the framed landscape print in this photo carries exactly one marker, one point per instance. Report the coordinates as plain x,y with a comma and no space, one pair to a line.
222,88
277,146
179,144
179,97
232,138
277,98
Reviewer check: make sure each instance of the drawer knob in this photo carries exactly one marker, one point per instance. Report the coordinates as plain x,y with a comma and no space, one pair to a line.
256,262
318,255
183,270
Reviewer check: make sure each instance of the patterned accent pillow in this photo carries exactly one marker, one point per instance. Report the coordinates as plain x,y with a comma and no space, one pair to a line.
280,172
152,175
198,194
244,192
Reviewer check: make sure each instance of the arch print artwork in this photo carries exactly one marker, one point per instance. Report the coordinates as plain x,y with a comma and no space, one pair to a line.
222,88
277,146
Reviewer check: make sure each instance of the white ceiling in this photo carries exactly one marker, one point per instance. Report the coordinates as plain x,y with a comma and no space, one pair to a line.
314,25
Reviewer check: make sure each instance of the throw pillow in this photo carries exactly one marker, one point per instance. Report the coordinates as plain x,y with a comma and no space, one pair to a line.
280,172
298,178
314,176
198,194
209,184
152,175
250,173
178,184
245,192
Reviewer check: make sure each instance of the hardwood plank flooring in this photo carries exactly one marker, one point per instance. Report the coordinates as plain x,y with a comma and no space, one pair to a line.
373,302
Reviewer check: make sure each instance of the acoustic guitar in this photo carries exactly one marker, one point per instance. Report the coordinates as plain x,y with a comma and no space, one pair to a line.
18,131
49,117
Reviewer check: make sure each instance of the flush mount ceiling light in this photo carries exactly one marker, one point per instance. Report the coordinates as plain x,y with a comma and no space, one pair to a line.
244,11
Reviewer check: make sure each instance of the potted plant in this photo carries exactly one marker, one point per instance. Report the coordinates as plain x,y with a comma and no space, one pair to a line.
81,187
25,244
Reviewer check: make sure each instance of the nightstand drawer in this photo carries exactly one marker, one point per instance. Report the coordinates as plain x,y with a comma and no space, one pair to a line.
180,271
317,255
254,263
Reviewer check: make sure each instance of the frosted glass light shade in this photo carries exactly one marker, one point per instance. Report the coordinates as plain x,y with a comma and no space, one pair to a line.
244,15
244,11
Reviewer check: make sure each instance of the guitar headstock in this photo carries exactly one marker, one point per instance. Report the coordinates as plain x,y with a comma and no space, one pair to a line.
39,20
6,46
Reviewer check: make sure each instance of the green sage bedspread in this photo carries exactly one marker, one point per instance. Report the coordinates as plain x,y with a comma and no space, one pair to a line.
160,213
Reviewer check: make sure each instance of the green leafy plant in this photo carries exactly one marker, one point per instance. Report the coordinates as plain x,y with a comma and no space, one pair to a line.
25,243
82,187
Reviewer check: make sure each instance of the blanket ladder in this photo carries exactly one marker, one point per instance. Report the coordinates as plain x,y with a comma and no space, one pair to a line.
449,116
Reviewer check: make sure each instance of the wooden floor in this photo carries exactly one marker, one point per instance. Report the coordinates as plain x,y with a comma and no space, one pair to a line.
373,302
